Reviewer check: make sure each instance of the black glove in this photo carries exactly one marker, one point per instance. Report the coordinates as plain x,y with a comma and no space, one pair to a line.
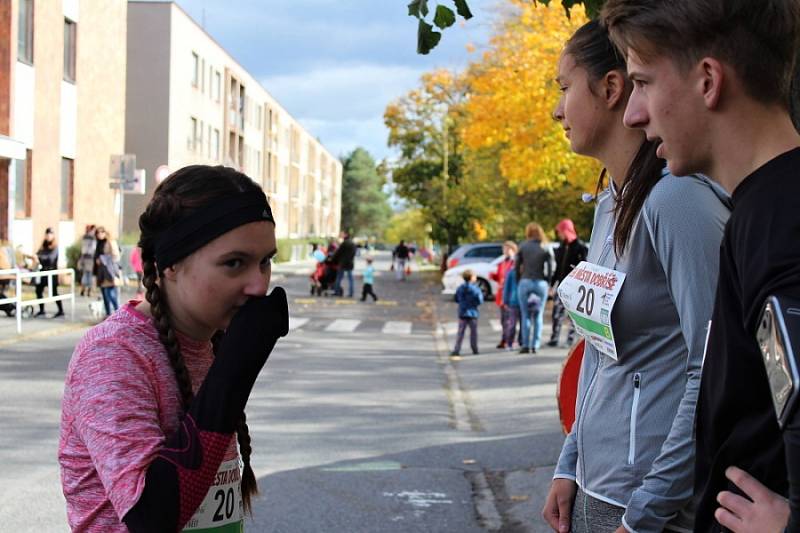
242,352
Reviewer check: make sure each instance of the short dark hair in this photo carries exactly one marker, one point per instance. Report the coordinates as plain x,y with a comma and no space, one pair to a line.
757,38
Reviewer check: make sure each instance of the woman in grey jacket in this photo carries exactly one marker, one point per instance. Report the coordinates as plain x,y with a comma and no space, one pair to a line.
627,464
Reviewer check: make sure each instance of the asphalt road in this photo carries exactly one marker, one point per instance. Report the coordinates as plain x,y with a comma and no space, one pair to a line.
360,421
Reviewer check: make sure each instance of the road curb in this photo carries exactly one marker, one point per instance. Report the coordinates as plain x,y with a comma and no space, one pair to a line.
60,330
485,504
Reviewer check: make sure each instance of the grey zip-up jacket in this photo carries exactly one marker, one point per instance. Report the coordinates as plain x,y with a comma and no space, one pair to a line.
632,443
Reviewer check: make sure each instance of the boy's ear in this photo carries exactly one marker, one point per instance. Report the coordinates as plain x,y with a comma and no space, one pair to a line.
712,78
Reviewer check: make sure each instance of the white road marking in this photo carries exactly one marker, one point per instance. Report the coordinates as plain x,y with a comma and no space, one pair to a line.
296,323
496,326
397,327
450,328
419,499
343,325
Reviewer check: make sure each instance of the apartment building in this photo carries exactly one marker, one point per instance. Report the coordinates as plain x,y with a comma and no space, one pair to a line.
62,113
190,102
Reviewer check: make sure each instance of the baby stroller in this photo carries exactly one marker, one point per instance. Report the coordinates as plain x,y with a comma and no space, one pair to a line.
324,277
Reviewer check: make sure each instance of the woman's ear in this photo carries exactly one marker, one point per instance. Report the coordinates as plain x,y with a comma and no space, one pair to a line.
169,273
614,88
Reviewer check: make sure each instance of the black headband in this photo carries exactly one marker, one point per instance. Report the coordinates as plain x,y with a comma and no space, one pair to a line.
206,224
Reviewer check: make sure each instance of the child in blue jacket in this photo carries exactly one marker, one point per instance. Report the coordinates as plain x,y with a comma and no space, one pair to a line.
511,303
469,297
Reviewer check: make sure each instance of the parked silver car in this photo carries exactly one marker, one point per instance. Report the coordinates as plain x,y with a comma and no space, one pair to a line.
478,252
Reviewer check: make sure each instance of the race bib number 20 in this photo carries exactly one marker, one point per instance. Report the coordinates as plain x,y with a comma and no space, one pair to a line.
589,293
222,510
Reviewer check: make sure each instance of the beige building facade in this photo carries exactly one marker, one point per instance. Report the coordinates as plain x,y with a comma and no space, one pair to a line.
62,116
190,102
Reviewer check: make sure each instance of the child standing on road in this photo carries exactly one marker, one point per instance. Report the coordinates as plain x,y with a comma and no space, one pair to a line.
369,280
152,407
510,304
469,297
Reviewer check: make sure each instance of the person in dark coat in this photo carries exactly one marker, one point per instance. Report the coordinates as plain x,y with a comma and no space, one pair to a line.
570,252
344,257
48,260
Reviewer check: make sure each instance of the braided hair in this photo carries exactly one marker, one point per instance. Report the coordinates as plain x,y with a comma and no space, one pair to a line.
183,192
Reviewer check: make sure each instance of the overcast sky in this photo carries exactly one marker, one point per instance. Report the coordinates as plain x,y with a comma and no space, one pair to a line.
335,64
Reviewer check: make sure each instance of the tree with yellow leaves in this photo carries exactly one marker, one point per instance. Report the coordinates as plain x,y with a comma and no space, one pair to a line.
425,126
513,96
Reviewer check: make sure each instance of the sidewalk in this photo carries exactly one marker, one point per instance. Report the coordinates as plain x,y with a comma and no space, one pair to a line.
33,327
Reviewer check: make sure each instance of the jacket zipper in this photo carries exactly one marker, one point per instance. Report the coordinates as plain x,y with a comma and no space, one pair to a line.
580,413
637,385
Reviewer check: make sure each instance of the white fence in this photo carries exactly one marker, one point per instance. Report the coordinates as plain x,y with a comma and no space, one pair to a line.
16,276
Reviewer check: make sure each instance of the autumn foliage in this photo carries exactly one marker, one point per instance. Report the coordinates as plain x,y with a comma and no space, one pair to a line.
513,95
508,161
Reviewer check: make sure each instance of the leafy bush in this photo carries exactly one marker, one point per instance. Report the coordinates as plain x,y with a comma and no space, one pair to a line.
73,254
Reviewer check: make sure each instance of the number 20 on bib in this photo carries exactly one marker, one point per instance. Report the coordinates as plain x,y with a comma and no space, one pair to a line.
589,293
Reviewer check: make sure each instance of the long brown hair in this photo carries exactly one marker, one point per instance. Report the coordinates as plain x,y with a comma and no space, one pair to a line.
593,51
183,192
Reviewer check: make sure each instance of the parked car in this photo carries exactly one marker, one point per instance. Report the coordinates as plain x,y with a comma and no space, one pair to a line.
479,252
452,277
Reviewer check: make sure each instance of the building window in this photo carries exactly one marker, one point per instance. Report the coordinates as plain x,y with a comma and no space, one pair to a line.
70,35
195,70
210,81
25,32
203,77
193,135
67,188
198,139
22,179
215,145
218,85
209,141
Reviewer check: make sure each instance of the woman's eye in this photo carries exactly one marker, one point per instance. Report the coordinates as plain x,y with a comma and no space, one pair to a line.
233,263
266,263
562,88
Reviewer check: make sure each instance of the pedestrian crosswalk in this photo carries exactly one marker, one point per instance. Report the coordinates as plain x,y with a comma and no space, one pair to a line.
384,327
397,326
344,325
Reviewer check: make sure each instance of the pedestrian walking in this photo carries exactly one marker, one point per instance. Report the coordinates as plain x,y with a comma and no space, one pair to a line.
534,265
627,464
511,305
108,271
499,276
48,260
151,403
369,282
400,256
86,260
138,269
570,252
719,104
344,258
469,297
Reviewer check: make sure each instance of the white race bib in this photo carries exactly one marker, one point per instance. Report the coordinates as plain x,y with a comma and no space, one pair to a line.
589,293
222,510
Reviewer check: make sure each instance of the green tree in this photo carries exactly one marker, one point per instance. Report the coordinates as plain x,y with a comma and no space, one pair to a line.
425,126
444,17
408,225
365,207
